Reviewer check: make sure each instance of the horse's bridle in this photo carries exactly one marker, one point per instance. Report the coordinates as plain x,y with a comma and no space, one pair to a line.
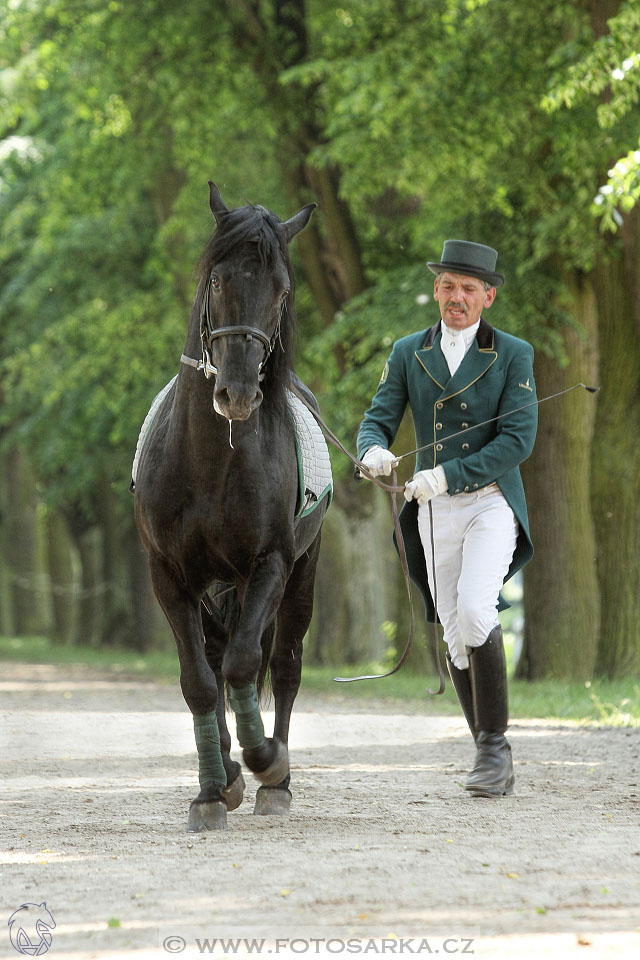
209,333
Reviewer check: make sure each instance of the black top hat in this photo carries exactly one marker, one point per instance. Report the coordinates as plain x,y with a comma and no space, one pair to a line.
470,259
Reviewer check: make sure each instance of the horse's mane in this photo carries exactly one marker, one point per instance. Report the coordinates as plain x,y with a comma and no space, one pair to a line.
261,228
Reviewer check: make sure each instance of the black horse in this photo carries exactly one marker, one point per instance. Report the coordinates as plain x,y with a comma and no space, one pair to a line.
216,496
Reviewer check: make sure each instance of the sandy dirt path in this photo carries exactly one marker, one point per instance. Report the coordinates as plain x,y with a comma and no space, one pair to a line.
383,854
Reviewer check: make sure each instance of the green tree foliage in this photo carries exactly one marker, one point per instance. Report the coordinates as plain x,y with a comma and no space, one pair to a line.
436,114
607,77
432,113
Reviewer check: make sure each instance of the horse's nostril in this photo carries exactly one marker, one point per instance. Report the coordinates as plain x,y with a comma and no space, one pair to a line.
227,395
236,404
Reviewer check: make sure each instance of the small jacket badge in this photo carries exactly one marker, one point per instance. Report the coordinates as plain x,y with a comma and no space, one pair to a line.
525,386
385,373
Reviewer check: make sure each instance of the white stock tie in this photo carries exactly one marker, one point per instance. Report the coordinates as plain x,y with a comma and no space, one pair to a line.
453,347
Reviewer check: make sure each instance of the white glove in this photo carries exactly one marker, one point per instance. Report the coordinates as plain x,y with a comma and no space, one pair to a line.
377,461
426,484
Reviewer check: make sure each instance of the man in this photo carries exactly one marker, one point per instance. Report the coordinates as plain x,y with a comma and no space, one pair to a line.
454,376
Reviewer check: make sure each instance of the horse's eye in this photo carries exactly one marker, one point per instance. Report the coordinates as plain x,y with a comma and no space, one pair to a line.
215,280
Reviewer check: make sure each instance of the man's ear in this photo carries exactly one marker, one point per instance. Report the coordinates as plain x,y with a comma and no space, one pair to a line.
490,297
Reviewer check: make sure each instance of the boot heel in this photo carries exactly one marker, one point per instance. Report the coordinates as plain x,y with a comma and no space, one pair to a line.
492,792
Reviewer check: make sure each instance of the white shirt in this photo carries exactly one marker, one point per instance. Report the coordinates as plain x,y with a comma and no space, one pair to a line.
455,343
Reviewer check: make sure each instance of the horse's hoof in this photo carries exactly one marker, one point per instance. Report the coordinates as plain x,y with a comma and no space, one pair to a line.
234,792
211,815
272,802
277,770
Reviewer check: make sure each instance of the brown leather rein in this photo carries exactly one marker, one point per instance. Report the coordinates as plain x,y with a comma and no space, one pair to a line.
393,490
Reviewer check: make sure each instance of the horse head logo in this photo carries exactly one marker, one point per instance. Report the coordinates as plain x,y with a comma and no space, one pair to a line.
30,929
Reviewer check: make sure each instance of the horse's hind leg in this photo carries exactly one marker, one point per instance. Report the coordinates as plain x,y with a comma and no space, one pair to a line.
294,617
215,633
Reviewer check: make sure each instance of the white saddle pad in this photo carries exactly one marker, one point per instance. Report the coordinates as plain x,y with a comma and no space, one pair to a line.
316,479
148,420
314,465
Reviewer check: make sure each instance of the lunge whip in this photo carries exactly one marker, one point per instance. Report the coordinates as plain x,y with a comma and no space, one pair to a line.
533,403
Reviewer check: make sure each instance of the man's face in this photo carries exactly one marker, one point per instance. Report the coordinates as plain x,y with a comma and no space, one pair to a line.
461,299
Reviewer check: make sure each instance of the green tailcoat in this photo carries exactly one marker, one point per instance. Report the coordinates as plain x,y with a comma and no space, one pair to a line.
495,377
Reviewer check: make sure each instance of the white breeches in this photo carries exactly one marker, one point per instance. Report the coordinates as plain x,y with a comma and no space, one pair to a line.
474,538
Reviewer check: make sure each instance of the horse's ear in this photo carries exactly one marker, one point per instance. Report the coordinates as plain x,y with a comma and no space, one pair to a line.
216,202
299,222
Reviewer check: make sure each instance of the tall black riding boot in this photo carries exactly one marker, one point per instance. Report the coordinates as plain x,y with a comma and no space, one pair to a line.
461,681
492,775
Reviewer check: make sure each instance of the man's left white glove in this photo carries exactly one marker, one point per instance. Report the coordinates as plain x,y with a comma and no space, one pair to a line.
426,484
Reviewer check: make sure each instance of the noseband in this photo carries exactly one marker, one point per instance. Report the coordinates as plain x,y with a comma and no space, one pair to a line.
208,334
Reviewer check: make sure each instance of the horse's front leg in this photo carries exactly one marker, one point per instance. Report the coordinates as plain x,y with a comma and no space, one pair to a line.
266,757
209,810
216,636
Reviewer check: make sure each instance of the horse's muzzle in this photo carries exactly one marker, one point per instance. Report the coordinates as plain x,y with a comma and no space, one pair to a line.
236,403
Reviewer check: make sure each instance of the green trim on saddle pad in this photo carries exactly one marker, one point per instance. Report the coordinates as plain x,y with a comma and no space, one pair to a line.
302,508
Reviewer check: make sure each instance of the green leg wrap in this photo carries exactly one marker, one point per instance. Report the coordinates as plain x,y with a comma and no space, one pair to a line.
249,726
211,768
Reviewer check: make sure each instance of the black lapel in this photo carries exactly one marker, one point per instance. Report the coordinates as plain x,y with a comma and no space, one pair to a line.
484,336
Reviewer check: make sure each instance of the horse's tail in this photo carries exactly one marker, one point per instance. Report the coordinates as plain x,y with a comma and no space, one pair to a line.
266,642
225,610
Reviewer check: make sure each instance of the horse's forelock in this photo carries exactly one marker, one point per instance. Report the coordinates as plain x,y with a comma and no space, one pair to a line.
248,224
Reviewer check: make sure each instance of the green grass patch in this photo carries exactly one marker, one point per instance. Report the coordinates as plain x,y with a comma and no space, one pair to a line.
157,664
601,702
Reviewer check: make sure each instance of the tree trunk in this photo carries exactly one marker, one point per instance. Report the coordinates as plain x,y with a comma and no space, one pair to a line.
561,598
26,570
616,452
616,457
149,627
361,611
64,601
116,617
87,541
7,613
354,593
330,252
